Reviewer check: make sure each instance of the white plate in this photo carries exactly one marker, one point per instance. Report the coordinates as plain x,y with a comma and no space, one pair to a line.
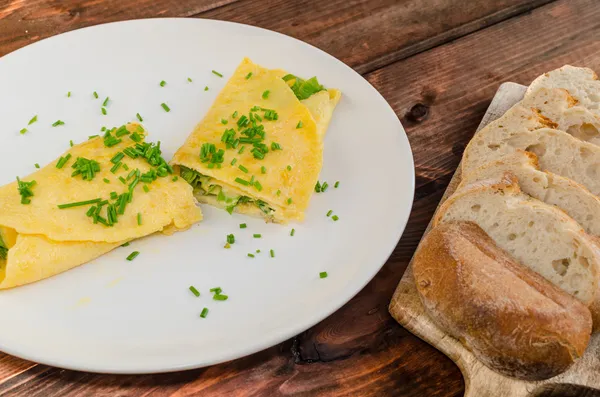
116,316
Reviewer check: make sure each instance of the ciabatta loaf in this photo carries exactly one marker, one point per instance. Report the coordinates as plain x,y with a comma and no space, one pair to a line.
537,235
511,318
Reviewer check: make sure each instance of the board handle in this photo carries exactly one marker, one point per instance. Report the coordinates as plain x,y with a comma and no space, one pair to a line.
480,381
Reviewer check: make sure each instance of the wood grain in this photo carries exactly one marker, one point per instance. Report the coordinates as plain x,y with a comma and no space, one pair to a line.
366,34
440,95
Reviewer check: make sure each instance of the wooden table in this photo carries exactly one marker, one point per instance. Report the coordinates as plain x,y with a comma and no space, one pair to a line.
438,63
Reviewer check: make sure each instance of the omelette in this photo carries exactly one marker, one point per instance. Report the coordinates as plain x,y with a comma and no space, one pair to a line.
259,149
97,196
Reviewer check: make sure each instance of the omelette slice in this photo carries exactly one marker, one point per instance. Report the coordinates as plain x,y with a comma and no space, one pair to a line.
100,194
259,149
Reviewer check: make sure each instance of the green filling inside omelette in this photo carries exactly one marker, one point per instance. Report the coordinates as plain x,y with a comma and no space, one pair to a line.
205,186
303,89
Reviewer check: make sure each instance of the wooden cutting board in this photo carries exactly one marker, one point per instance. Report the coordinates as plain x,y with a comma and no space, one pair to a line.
480,381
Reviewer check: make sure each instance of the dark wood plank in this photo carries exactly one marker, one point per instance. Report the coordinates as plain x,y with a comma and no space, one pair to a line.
368,34
23,22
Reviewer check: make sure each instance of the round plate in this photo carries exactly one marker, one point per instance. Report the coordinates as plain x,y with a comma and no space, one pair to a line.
116,316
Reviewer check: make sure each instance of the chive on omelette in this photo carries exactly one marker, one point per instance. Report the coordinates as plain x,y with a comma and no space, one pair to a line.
259,149
71,215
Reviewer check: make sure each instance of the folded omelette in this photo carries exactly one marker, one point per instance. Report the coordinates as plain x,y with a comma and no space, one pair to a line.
259,149
100,194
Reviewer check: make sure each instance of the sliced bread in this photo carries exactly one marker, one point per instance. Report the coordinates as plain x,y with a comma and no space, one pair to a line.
558,106
536,234
557,152
571,197
511,318
582,84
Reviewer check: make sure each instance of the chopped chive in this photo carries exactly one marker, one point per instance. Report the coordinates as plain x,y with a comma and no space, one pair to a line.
216,290
23,131
219,297
293,232
289,201
37,165
335,218
69,94
258,186
95,95
289,167
113,195
251,255
243,225
204,312
299,125
106,180
115,167
105,103
323,275
189,79
230,238
336,184
263,169
252,180
235,114
133,255
248,75
125,245
278,192
257,235
318,187
324,187
103,110
91,211
164,106
194,291
223,121
241,149
272,253
227,246
139,218
117,157
79,204
123,181
275,146
265,95
71,143
57,123
175,178
206,88
33,120
93,136
233,161
139,117
146,188
329,212
163,83
241,181
243,169
217,73
63,160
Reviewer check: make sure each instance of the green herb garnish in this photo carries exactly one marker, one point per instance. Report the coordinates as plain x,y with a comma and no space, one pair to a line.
257,235
105,103
204,312
25,191
217,73
335,218
336,184
62,161
79,203
265,95
299,125
303,89
323,275
57,123
163,83
23,131
95,95
293,232
165,107
230,238
248,75
33,120
329,212
133,255
194,291
243,225
272,253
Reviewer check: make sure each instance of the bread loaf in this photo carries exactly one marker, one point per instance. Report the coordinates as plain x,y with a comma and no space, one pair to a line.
536,234
512,319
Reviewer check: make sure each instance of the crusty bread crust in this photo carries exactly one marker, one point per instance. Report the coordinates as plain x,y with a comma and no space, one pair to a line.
511,318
